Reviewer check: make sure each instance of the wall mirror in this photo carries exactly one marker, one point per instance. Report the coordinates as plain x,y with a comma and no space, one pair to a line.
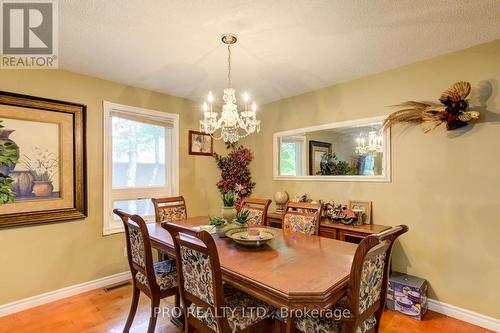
344,151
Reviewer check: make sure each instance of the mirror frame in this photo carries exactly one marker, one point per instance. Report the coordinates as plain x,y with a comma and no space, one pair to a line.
386,177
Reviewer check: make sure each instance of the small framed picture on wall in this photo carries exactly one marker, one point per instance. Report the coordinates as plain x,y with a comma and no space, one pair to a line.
316,150
363,206
200,144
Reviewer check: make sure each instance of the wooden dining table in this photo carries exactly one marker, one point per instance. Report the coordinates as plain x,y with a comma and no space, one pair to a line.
293,270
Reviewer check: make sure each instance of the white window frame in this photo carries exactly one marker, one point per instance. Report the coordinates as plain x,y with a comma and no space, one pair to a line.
300,152
109,194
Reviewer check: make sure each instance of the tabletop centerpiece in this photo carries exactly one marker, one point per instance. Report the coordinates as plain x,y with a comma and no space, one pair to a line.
223,225
251,236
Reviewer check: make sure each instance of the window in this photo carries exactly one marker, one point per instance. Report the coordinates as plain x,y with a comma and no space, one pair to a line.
292,157
140,161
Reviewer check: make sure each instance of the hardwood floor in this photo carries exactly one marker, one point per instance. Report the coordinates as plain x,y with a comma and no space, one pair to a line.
106,311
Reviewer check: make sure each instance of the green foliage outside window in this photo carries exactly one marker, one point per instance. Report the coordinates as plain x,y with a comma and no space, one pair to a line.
288,159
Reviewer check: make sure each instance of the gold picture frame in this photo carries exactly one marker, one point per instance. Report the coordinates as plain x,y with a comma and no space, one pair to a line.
49,177
365,206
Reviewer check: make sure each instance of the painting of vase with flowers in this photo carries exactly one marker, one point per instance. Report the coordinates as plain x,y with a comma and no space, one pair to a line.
43,166
36,173
42,160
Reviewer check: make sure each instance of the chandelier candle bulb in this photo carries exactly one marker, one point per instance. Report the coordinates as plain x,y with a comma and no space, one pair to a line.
246,98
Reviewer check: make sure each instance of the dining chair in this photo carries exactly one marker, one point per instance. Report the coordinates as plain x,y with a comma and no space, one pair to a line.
210,305
302,217
156,280
257,210
366,291
170,209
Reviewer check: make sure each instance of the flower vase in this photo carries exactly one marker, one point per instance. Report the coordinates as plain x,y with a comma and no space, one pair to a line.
228,213
23,183
42,188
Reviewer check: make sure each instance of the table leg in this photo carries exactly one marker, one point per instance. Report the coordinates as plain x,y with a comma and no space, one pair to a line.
178,322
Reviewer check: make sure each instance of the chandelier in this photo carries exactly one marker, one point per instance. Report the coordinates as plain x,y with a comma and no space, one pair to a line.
232,125
374,143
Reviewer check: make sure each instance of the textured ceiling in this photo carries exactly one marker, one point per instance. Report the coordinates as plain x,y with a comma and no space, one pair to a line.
285,47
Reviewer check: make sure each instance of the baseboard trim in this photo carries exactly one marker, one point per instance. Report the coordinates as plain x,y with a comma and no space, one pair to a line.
465,315
30,302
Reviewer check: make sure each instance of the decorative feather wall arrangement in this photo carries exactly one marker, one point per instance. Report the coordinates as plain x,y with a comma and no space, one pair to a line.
452,111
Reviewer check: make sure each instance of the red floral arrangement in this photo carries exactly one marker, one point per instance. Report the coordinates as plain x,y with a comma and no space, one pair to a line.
235,173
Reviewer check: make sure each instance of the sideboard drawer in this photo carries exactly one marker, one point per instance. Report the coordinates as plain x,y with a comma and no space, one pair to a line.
273,222
328,232
351,237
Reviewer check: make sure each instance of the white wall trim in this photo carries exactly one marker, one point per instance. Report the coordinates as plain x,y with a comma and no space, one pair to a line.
465,315
51,296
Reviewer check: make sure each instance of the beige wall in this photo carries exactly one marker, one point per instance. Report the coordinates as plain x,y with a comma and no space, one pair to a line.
445,186
44,258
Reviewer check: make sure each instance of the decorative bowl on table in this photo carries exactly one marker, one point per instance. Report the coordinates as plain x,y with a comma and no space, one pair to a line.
252,236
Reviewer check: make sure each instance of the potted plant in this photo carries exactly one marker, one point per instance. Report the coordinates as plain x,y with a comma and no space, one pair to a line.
220,225
241,218
228,211
223,225
43,166
235,172
331,165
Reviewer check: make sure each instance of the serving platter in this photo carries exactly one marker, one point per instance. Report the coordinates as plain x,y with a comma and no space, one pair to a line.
251,236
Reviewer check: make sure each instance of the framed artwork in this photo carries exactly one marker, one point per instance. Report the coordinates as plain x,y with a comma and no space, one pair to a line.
365,207
200,144
316,150
46,170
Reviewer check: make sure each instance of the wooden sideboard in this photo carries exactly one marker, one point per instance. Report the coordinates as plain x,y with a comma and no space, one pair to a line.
329,229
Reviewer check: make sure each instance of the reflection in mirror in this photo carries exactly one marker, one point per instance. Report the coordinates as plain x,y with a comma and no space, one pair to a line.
343,149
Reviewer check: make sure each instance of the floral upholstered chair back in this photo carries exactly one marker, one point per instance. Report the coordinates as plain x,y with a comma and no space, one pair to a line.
257,210
170,209
200,278
368,280
302,217
138,244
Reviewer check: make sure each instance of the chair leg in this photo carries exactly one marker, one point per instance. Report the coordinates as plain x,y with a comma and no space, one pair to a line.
189,329
155,303
178,321
133,308
177,301
289,326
